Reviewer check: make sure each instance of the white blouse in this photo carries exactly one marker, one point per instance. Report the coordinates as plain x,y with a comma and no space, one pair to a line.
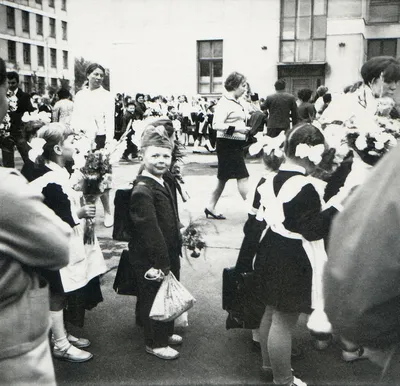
94,113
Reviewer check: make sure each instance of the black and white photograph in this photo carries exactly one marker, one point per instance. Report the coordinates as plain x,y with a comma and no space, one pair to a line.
199,192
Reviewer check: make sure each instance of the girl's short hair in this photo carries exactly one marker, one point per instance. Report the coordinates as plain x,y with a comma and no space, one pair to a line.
94,66
302,133
63,93
388,66
53,133
233,81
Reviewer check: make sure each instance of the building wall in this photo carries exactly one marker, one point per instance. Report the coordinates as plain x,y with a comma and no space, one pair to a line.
35,40
155,48
156,51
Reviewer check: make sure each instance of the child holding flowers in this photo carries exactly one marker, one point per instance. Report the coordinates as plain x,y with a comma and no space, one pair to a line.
75,287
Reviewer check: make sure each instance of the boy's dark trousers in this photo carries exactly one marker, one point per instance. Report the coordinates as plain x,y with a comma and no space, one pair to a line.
131,148
155,333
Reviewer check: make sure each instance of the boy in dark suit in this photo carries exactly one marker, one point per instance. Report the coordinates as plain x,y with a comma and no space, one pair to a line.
16,137
156,243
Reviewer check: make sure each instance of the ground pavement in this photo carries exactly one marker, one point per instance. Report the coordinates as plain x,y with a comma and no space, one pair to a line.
210,355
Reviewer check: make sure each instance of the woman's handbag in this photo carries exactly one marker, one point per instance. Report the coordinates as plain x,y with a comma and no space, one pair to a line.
125,279
172,300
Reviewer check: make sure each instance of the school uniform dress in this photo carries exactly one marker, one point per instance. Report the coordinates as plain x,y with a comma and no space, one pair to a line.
156,242
80,278
230,148
291,255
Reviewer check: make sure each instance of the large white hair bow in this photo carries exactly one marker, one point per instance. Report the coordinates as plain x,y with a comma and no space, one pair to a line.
313,153
36,145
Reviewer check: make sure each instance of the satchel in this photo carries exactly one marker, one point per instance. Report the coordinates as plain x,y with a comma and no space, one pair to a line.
171,301
122,222
125,279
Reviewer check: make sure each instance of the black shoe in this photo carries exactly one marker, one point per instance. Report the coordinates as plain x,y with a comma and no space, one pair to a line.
214,216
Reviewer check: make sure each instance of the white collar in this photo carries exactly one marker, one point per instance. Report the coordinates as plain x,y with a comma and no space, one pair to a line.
57,168
145,173
292,168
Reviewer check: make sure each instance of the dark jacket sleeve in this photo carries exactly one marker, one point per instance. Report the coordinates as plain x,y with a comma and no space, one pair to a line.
303,215
148,235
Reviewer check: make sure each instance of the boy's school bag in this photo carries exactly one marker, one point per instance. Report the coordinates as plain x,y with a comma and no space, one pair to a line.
122,221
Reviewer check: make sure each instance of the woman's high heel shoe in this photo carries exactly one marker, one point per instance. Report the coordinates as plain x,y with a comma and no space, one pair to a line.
214,216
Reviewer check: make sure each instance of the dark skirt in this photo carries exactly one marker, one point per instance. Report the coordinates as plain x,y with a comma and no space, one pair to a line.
231,162
285,272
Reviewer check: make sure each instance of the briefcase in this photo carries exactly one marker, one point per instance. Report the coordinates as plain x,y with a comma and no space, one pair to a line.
125,279
230,280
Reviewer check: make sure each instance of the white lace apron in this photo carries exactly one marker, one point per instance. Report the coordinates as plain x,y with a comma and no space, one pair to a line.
271,210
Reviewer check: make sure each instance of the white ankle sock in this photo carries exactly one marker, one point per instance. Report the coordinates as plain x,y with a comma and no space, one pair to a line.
58,330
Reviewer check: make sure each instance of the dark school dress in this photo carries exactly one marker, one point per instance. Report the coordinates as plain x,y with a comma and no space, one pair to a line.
281,262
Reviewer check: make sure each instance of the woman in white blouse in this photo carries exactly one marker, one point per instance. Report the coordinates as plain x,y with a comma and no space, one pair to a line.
93,116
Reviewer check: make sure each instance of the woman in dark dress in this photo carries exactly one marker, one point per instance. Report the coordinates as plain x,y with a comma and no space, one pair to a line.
230,123
290,274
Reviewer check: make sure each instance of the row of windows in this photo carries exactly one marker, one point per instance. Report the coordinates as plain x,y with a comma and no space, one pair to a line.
39,23
52,5
26,49
28,81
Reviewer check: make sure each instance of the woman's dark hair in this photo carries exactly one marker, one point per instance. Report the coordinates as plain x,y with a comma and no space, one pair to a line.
388,66
3,72
304,94
63,93
52,133
327,98
302,133
138,95
233,81
94,66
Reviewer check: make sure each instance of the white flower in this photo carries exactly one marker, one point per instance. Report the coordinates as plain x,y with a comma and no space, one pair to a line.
379,145
361,142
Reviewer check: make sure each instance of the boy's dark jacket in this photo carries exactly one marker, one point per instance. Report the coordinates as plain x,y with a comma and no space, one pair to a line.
156,240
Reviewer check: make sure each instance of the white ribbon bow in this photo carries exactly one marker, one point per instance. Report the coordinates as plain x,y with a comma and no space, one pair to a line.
313,153
36,145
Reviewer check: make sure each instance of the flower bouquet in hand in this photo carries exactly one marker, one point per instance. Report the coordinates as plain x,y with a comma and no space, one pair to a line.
93,177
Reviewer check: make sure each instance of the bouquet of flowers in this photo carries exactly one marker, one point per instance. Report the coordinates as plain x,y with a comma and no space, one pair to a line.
192,238
92,176
5,125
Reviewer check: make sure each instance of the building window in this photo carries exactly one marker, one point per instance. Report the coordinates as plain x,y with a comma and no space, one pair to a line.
27,83
39,25
64,30
303,30
53,57
51,3
25,21
52,24
65,60
384,11
38,2
209,55
54,82
10,18
41,85
12,51
27,53
40,54
379,47
64,5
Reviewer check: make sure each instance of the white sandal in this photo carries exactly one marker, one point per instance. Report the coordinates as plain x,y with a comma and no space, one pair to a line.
167,353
